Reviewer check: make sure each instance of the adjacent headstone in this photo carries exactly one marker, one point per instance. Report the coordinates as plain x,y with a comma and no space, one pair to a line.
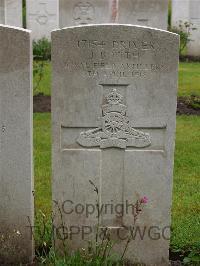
151,13
76,12
180,10
188,11
13,13
16,161
194,45
114,112
2,12
42,17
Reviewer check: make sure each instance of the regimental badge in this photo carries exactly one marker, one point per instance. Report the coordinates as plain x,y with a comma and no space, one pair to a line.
83,13
115,130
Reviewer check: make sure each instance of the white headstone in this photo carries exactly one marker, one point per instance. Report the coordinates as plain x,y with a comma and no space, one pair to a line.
188,11
180,10
194,45
13,13
114,112
151,13
16,161
76,12
42,17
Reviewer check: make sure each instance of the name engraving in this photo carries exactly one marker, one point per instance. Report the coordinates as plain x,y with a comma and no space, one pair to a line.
117,58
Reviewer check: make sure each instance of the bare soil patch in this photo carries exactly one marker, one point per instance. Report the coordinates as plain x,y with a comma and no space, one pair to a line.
185,105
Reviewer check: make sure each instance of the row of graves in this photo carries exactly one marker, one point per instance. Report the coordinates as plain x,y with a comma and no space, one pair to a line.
43,16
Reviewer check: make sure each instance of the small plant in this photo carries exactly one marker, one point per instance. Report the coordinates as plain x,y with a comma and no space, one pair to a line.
193,101
38,74
104,248
42,49
184,29
193,257
42,234
41,54
137,208
99,252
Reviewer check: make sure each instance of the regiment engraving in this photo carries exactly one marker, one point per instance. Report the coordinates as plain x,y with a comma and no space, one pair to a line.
115,130
42,16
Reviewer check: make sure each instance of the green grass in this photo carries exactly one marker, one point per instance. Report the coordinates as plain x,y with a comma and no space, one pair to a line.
189,80
42,162
45,83
186,192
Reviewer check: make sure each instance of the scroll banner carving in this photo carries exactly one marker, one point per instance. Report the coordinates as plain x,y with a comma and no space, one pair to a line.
115,130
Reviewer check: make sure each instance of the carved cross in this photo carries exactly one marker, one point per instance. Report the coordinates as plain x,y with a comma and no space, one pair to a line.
114,140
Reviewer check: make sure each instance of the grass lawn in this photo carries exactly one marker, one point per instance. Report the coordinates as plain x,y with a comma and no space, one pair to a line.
189,79
44,86
42,162
186,194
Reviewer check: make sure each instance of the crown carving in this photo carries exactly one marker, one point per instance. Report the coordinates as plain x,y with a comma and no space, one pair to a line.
115,129
114,104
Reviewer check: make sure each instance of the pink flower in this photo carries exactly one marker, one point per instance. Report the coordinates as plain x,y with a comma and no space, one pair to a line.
144,200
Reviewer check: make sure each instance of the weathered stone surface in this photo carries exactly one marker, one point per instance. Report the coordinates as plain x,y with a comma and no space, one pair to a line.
194,45
16,167
2,12
188,11
151,13
13,13
113,84
42,17
76,12
180,11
